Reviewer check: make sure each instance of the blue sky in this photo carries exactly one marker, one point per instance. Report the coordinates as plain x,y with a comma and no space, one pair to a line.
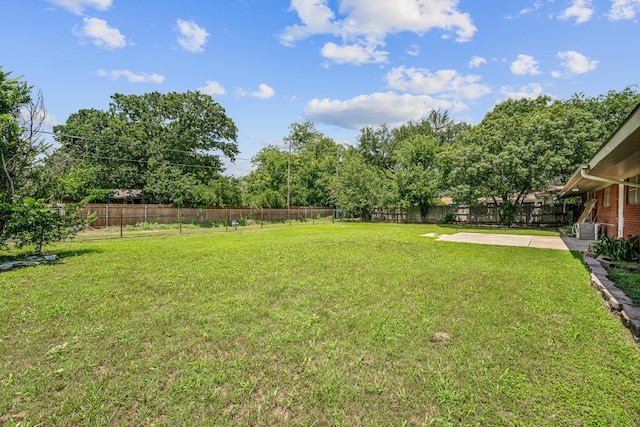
341,64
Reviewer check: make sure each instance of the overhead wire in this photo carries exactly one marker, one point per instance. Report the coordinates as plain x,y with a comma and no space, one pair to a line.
109,141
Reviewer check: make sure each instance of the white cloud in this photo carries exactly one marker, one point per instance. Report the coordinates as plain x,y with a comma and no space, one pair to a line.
78,6
212,88
192,37
581,10
377,108
446,83
316,18
50,121
41,116
413,50
132,77
366,24
624,9
102,35
531,91
356,54
525,64
537,5
576,63
264,92
476,62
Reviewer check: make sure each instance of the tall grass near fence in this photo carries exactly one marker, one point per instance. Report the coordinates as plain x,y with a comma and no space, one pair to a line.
110,215
334,324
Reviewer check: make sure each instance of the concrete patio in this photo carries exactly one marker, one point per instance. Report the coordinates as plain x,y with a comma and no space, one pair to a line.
544,242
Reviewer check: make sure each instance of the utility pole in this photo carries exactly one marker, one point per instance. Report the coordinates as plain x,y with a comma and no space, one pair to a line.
289,184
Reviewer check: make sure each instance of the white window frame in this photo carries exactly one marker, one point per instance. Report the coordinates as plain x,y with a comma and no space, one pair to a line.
633,193
606,197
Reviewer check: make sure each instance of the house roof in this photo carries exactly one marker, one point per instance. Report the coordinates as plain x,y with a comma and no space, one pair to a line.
120,193
619,158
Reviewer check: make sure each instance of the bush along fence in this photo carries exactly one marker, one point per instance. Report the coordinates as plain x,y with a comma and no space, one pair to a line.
112,215
526,215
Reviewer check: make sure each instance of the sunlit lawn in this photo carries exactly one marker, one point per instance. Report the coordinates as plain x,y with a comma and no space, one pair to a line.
312,324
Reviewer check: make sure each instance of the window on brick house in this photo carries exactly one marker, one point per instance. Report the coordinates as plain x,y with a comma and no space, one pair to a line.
606,197
633,193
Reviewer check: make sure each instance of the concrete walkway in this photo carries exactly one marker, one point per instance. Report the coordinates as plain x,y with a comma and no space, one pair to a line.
545,242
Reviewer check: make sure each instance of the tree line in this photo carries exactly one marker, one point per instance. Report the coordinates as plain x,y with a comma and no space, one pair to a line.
173,148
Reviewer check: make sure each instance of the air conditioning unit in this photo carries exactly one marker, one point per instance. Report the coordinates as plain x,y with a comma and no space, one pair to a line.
585,230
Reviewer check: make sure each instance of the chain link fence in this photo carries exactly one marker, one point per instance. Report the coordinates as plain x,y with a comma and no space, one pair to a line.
131,218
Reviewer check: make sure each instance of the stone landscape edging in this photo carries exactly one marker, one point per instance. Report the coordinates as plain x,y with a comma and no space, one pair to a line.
616,300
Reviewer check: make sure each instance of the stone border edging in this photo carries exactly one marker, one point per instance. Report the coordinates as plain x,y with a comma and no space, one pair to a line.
620,304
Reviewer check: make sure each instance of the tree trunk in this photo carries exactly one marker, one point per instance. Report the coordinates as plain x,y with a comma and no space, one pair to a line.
9,182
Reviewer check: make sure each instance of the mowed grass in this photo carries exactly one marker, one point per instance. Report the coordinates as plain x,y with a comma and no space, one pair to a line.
325,324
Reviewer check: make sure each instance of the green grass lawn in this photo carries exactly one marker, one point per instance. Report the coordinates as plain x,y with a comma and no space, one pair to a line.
325,324
627,281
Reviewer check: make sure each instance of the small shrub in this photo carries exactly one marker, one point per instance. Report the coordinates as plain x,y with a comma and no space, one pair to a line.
567,231
448,218
206,224
616,249
33,222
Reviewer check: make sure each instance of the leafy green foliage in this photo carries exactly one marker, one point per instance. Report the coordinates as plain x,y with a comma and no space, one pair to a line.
358,186
267,183
313,164
34,223
614,248
525,145
415,174
448,218
520,147
153,142
20,145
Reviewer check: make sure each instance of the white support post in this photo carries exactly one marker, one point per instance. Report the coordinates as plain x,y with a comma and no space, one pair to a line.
621,190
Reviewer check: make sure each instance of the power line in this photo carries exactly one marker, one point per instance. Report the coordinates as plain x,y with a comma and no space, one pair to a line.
118,159
130,144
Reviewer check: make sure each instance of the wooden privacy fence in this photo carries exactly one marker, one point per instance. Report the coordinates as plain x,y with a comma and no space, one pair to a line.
530,215
117,214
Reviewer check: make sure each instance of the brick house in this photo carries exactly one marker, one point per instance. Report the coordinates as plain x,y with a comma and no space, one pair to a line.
610,182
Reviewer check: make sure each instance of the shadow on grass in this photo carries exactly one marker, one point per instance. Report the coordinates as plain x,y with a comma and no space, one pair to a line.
69,253
579,255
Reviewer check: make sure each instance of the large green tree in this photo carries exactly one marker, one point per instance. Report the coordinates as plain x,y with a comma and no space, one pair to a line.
358,187
521,146
266,185
312,163
416,177
609,110
164,144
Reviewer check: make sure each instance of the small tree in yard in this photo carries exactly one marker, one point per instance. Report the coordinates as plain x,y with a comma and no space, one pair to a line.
33,222
25,221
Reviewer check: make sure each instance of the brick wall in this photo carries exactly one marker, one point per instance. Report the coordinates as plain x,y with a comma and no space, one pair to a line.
608,214
631,218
